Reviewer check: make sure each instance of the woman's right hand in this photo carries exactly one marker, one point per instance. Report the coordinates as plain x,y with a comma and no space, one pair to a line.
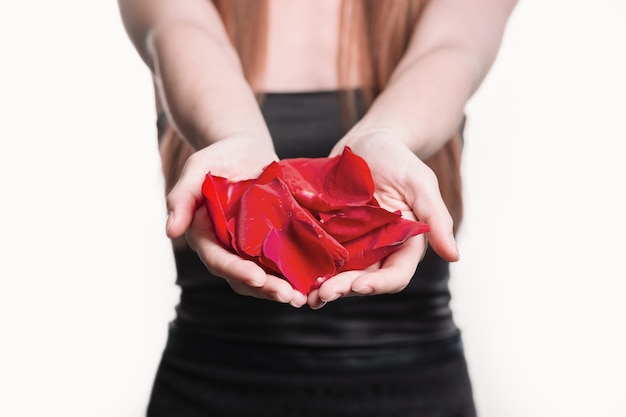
238,157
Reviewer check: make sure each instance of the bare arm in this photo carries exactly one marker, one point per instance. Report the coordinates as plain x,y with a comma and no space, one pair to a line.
197,71
202,87
450,53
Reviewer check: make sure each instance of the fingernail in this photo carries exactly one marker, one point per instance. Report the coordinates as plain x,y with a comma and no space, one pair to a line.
454,245
333,297
281,298
320,306
255,282
170,220
363,290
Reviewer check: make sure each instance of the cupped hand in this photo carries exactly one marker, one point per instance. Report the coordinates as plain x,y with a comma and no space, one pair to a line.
402,182
236,158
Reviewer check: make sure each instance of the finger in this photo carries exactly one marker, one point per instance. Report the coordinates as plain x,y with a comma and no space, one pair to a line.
314,301
395,272
298,299
341,284
338,286
218,260
180,215
275,289
424,197
230,266
184,198
245,277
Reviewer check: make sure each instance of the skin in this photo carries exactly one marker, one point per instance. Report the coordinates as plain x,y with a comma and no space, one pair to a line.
201,86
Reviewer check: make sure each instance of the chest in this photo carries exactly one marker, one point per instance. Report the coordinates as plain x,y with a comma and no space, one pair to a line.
302,45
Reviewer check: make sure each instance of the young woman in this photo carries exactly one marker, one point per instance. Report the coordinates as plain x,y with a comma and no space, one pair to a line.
240,84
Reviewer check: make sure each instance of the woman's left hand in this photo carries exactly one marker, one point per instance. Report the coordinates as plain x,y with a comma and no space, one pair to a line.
403,182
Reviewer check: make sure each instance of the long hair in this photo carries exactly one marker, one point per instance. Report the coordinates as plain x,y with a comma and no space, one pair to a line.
373,36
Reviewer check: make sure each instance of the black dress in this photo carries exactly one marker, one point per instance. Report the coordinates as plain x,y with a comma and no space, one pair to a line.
383,355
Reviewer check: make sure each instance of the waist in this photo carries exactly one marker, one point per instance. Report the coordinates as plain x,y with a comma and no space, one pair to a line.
187,341
419,314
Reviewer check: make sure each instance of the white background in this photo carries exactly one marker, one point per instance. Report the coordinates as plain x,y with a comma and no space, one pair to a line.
87,276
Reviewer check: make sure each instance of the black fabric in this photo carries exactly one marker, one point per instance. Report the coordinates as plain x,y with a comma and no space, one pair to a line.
202,377
306,124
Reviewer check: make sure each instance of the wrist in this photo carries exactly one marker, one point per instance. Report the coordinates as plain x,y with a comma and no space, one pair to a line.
362,134
418,138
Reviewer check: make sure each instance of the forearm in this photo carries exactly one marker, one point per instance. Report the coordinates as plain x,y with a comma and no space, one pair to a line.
198,75
202,86
449,55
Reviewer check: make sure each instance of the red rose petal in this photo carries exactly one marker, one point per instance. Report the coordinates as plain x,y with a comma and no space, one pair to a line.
298,254
273,219
269,209
262,208
221,200
374,246
323,184
270,172
354,221
214,199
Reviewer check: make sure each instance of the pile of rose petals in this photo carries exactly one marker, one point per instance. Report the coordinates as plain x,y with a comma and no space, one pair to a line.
306,219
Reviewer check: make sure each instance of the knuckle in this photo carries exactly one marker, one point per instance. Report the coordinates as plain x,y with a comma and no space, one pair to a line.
400,288
391,285
191,161
239,288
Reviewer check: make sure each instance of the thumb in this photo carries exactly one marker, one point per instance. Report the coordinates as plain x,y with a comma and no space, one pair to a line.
430,208
441,237
182,202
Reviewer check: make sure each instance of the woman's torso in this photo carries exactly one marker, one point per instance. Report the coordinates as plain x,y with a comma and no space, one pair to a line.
301,108
308,125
